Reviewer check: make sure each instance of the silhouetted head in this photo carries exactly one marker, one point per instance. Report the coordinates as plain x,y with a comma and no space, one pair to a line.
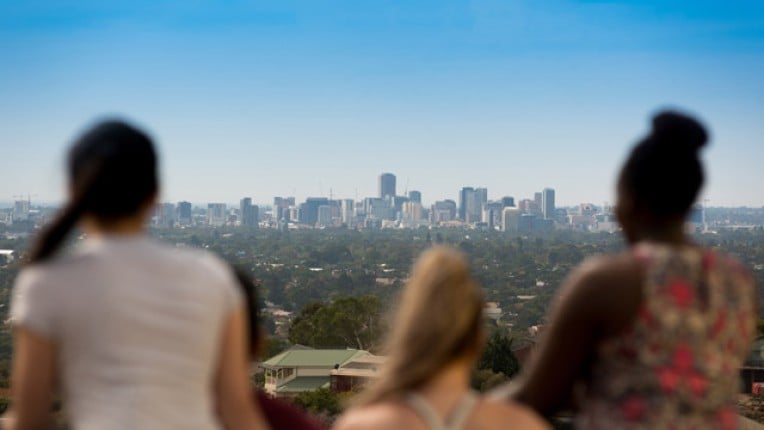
661,178
439,322
112,171
249,292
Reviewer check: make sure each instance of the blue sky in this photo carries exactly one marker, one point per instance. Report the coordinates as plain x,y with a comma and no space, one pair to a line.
258,99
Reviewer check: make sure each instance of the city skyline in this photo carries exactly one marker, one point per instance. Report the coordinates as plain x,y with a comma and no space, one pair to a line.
297,98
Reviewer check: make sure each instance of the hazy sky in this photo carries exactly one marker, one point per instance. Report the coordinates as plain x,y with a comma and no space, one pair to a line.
264,98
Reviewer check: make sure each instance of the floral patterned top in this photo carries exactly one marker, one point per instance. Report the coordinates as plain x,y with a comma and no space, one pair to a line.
677,365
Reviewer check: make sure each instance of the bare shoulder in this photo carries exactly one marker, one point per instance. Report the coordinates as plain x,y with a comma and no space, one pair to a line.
382,416
494,414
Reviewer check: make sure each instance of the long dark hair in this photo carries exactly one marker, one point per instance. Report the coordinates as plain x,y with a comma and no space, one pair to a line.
112,171
663,173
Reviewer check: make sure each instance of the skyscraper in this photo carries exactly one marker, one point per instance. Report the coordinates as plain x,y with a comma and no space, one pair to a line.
547,203
464,194
249,214
415,196
184,213
386,185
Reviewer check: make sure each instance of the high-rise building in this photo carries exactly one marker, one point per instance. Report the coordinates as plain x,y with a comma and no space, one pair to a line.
510,219
348,212
386,185
324,216
547,203
309,209
474,201
166,214
537,198
415,196
21,210
508,201
217,214
249,214
464,194
185,216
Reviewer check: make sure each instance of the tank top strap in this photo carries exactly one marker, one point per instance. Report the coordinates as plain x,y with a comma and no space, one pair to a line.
457,418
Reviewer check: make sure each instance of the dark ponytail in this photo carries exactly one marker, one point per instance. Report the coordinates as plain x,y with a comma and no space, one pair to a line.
663,173
112,174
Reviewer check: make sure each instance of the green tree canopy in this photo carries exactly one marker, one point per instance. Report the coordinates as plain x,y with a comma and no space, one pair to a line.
351,322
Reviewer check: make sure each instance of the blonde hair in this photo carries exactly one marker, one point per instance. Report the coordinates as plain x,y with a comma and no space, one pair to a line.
439,319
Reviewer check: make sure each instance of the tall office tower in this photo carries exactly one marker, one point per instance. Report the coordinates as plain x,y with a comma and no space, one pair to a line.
165,215
386,185
309,209
547,203
249,214
21,210
415,196
184,213
347,212
324,218
474,204
464,195
216,214
510,219
412,211
538,198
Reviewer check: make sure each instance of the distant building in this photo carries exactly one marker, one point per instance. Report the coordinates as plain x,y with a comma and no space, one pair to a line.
463,196
324,216
356,373
309,209
415,196
547,203
249,214
184,213
281,207
386,185
510,219
443,211
347,211
301,369
165,215
492,214
21,209
217,214
508,201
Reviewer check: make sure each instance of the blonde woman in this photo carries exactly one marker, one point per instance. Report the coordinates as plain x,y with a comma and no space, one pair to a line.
434,344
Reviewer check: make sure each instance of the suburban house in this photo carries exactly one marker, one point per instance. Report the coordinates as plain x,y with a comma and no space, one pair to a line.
356,373
300,369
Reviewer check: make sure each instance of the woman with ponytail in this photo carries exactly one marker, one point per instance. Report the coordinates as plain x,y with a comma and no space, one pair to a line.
436,339
132,334
653,337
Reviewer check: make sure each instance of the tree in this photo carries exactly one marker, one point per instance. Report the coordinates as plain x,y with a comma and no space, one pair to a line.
351,322
322,402
498,356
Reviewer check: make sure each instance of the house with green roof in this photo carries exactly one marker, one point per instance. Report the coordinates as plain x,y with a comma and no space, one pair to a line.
300,369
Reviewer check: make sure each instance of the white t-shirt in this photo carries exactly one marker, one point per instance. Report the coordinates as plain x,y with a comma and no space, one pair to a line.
137,325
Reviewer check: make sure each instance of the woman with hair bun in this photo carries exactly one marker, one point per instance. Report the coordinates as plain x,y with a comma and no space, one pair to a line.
133,334
436,338
653,337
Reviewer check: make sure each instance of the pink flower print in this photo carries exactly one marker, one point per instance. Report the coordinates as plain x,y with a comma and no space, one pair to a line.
682,293
683,360
698,384
669,379
633,408
720,323
646,316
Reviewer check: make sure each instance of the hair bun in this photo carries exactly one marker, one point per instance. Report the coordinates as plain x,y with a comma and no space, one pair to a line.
677,133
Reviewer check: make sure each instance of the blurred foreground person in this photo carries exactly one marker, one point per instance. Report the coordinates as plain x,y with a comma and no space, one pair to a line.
657,334
279,414
436,339
132,333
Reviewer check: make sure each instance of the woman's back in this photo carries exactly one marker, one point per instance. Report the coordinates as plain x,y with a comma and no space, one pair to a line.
137,326
677,361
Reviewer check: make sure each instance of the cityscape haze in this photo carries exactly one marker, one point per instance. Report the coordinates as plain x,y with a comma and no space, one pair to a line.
300,99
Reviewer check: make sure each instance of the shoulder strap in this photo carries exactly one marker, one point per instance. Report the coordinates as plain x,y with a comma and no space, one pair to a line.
462,411
457,418
422,408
